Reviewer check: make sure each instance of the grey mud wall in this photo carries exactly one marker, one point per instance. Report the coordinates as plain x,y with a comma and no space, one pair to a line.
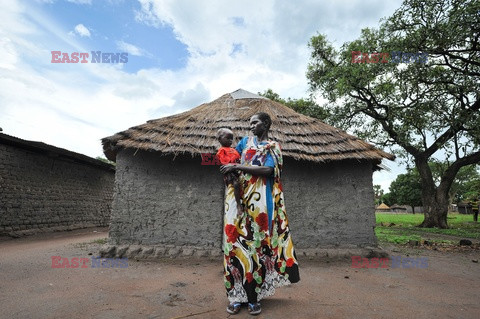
330,204
45,191
158,200
175,207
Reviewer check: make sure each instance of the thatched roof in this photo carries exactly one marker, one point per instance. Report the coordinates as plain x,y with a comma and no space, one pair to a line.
383,206
194,132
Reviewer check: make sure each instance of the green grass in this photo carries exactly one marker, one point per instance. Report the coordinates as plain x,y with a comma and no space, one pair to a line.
461,226
100,241
396,236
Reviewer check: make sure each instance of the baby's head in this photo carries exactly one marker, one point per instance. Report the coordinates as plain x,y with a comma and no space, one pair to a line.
225,137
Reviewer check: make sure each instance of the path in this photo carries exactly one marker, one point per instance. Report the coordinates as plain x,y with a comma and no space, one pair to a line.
30,288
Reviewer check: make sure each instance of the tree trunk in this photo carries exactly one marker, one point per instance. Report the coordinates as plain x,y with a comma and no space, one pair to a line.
434,199
413,209
435,211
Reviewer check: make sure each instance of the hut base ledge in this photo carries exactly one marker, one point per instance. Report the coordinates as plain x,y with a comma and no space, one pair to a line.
157,252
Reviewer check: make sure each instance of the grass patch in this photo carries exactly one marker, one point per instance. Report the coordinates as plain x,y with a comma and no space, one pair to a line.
405,229
100,241
395,236
458,232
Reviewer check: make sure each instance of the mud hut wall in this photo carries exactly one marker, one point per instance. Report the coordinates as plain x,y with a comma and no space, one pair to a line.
161,201
43,192
329,204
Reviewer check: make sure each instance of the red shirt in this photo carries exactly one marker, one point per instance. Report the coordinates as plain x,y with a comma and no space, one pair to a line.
227,155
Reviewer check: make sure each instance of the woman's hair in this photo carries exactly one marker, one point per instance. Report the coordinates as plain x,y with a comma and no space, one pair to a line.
265,118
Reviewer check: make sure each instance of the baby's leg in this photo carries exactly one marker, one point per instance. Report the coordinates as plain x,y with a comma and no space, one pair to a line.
237,191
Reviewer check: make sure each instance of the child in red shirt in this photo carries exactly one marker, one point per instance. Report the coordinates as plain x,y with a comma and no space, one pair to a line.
228,155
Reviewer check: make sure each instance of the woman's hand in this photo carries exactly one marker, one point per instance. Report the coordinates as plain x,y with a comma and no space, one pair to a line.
254,170
227,168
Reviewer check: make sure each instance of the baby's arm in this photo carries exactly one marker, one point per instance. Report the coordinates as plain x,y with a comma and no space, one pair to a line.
234,156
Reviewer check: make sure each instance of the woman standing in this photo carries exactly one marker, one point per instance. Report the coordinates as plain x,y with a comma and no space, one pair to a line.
258,249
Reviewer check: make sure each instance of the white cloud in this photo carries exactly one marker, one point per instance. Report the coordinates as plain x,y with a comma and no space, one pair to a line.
131,49
270,37
82,30
252,45
8,56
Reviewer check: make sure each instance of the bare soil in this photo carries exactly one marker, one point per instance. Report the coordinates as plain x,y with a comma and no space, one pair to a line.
193,288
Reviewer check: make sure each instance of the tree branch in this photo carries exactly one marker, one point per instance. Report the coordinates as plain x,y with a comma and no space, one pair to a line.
448,134
452,170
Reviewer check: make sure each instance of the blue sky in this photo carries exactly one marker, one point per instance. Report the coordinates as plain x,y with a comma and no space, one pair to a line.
112,27
181,53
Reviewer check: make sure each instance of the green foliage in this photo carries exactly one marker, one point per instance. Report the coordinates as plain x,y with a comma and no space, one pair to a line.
466,185
388,199
303,106
421,109
406,103
406,189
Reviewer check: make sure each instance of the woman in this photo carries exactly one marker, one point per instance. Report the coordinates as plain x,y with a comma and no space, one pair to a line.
258,250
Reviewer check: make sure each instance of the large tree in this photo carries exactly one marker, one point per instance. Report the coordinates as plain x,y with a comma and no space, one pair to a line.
465,186
421,109
406,189
305,106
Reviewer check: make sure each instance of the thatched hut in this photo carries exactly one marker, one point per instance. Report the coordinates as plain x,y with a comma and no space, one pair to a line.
382,208
164,197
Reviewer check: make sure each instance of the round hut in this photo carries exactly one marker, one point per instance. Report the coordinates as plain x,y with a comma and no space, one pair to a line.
383,208
169,194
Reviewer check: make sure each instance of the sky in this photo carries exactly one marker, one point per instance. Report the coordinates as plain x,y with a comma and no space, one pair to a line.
179,54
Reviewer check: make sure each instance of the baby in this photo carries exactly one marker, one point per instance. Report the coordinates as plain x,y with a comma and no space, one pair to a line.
228,155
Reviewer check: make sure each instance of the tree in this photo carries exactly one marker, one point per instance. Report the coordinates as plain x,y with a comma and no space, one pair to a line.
387,199
303,106
406,189
378,194
465,186
418,109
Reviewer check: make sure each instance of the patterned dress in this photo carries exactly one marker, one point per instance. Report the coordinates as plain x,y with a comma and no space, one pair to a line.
258,249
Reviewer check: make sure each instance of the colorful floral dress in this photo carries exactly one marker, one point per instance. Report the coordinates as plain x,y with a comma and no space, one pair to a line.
258,249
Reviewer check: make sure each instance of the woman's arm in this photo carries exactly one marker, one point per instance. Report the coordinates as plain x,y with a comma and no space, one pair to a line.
253,170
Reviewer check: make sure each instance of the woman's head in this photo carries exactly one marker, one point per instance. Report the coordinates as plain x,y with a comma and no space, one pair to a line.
260,123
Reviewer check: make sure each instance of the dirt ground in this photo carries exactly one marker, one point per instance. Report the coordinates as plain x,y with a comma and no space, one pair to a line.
192,288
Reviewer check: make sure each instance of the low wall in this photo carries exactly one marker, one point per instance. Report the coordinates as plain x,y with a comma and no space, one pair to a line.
46,191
